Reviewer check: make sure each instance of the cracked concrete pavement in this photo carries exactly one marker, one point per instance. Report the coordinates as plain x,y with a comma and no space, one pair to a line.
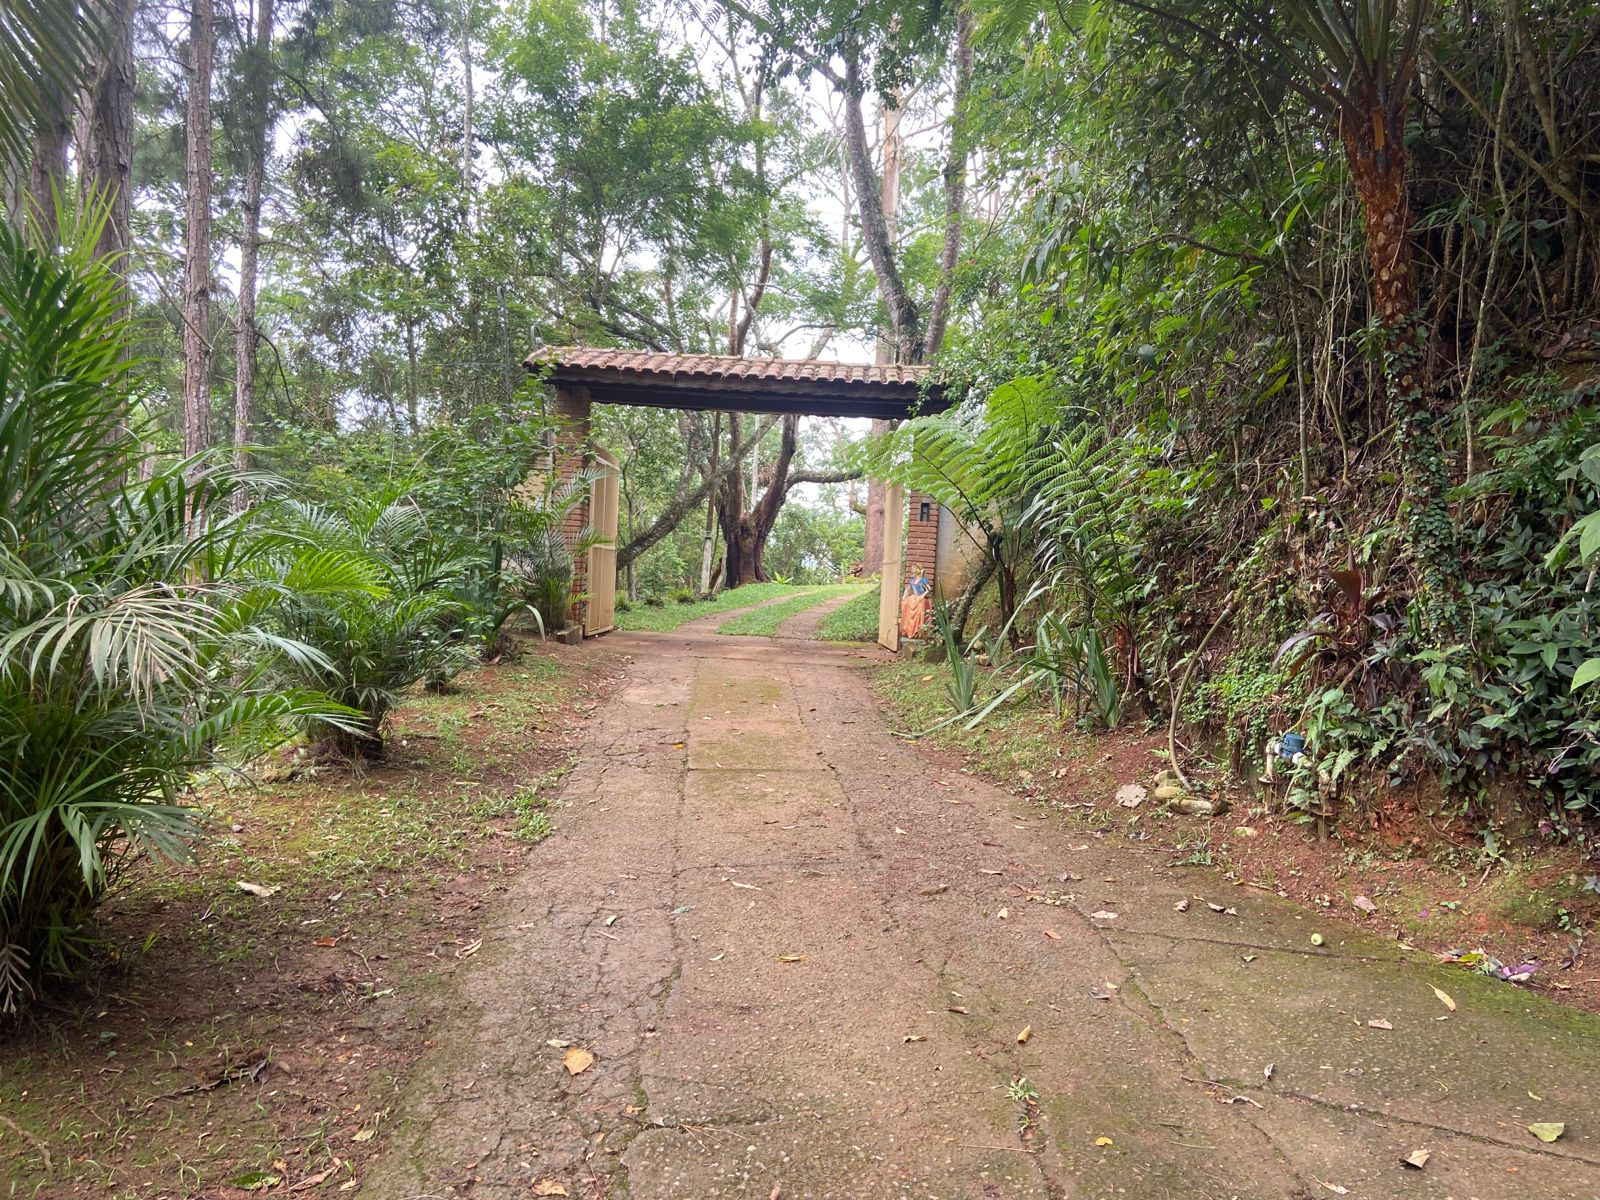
802,952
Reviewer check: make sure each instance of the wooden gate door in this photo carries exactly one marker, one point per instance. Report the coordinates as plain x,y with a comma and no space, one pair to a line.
894,532
602,580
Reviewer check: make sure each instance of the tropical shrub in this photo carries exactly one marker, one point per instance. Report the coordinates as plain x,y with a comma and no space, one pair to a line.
394,622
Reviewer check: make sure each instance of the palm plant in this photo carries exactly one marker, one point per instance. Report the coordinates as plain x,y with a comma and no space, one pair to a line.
46,49
396,622
127,654
977,462
539,560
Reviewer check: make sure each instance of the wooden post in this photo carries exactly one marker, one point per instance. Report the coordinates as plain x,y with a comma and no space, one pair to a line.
571,412
894,511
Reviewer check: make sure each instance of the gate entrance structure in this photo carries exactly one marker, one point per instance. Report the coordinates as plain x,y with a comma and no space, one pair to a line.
583,377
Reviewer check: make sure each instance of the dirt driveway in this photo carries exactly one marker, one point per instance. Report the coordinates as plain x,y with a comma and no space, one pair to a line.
811,962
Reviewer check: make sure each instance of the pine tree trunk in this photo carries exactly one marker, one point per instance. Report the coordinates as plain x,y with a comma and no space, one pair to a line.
244,392
105,135
197,269
48,174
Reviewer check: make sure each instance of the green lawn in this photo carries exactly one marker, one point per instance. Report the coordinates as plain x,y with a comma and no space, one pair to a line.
857,621
660,620
764,622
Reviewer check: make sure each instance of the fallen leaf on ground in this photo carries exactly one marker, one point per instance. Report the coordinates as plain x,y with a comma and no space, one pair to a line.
913,1037
363,1135
1003,913
1365,905
1131,795
1052,935
1216,908
1181,906
1444,999
1336,1189
576,1060
330,941
1244,1100
470,949
1547,1131
1104,1141
956,1008
1417,1159
557,1043
791,958
1103,915
750,886
1266,1071
776,1193
1379,1023
987,871
612,920
1027,1032
311,1181
548,1187
257,889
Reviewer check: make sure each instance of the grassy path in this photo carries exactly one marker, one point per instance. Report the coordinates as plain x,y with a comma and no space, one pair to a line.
662,620
764,621
854,621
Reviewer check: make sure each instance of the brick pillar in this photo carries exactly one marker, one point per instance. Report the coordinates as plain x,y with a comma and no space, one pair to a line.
922,538
570,411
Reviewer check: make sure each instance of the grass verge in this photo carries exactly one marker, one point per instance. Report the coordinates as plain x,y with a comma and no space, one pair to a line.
670,616
856,621
764,622
235,1043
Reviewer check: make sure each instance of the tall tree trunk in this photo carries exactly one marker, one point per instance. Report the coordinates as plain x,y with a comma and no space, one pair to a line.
413,417
47,176
871,197
105,135
244,391
197,238
466,109
889,340
955,189
730,512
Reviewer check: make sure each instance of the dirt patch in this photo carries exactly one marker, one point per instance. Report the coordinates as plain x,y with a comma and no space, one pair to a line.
1431,885
234,1044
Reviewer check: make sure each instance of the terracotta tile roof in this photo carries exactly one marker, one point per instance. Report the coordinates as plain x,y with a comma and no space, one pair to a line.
686,368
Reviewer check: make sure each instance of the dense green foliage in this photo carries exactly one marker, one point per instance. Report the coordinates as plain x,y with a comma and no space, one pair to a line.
1182,425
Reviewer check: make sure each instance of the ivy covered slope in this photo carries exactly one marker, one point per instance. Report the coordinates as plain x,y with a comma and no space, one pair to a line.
1280,383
